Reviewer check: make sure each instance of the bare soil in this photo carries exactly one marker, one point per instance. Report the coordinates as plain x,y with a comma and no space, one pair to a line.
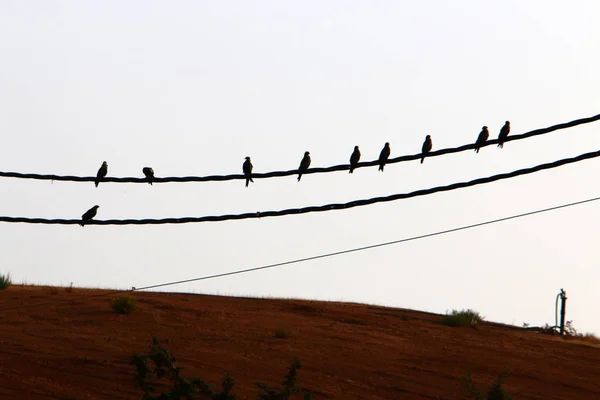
71,345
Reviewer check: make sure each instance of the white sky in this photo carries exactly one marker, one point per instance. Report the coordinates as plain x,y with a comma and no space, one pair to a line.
191,88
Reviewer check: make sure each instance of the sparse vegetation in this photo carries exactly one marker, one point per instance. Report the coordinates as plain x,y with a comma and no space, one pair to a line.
288,389
124,304
462,318
572,333
282,332
5,281
495,392
179,387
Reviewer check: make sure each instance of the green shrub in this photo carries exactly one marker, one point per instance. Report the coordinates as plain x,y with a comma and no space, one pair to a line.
5,281
124,304
462,318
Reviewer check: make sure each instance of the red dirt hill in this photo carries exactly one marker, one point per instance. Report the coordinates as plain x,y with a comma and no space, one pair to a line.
76,347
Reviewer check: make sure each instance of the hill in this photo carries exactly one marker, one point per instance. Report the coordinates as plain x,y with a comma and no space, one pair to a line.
76,347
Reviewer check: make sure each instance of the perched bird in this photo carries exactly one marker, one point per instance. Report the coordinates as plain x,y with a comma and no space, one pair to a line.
247,168
503,134
482,138
89,214
426,147
101,173
304,164
354,159
384,155
149,173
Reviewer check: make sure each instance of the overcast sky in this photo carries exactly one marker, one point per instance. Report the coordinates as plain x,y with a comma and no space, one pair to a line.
193,87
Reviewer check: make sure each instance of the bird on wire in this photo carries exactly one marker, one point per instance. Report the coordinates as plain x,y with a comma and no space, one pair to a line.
247,168
149,174
384,155
482,138
102,171
503,134
427,145
304,164
354,158
88,215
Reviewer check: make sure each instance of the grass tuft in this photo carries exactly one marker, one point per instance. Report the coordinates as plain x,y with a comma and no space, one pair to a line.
462,318
124,304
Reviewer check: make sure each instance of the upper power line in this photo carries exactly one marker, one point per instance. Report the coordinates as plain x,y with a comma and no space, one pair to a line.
318,170
310,209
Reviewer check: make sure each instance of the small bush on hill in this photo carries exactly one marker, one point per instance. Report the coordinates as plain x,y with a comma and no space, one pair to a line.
124,304
495,392
462,318
5,281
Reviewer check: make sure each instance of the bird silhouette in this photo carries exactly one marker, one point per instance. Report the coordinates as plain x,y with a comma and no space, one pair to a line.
88,215
482,138
384,155
102,171
503,134
354,158
427,145
247,168
149,173
304,164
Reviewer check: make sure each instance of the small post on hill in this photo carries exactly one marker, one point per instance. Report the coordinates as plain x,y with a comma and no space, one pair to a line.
563,310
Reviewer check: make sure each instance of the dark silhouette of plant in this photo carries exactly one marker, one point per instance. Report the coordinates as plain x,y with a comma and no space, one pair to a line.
5,281
495,392
164,367
289,386
158,364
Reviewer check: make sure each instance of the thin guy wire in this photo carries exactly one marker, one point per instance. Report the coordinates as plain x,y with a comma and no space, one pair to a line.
310,209
274,174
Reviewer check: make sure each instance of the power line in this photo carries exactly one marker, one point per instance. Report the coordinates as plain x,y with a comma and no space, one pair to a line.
310,209
276,174
301,260
337,253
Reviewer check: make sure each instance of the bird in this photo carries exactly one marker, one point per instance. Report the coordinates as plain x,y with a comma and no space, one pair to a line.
482,138
426,147
384,155
101,173
88,215
503,134
247,168
149,173
304,164
354,158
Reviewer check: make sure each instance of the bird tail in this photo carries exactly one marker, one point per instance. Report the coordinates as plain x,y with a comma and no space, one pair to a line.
299,176
501,145
381,167
247,181
81,223
422,159
351,170
477,150
96,183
